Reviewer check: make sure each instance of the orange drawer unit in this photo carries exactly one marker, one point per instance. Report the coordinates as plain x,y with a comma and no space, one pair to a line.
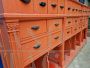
31,29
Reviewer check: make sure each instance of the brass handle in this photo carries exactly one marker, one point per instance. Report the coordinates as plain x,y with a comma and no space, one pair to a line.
61,7
37,46
53,5
68,32
57,37
73,9
75,29
69,8
76,9
26,1
75,20
35,27
57,24
43,4
69,22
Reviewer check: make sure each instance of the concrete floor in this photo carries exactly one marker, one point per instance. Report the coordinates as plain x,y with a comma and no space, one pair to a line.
83,58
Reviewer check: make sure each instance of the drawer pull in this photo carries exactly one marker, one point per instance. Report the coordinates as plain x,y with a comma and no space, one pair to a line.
69,8
75,20
76,9
43,4
75,29
37,46
53,5
61,7
73,9
26,1
68,32
57,24
69,22
57,37
35,27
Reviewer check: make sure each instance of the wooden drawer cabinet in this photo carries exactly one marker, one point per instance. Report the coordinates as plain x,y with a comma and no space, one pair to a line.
54,25
32,28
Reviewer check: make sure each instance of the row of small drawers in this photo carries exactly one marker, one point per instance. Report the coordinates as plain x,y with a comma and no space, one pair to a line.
44,7
34,6
75,8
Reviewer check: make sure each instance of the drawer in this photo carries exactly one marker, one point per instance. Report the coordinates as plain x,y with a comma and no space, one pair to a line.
32,28
69,22
56,39
69,7
75,30
54,25
67,33
40,6
19,6
61,6
52,6
76,22
34,48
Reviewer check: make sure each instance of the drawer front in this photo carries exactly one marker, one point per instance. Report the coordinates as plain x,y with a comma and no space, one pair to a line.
52,6
61,6
69,22
56,39
75,30
54,25
67,33
33,48
40,6
76,22
32,29
19,6
69,7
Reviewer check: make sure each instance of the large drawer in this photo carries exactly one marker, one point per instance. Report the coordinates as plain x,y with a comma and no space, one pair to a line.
32,28
32,50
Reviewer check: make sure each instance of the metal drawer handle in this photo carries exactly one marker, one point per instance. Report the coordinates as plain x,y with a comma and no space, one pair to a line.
68,32
75,29
35,27
69,22
43,4
26,1
57,37
76,9
73,9
75,20
53,5
61,7
37,46
57,24
69,8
